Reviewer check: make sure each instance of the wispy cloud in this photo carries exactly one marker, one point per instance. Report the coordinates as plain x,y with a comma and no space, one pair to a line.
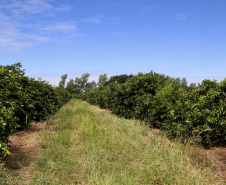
18,32
29,7
18,40
11,38
63,27
32,7
99,19
94,20
180,17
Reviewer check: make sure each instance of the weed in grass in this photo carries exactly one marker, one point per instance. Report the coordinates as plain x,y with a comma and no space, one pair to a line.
50,120
19,161
6,178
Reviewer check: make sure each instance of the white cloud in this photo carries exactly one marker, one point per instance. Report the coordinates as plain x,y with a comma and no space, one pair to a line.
180,17
11,38
20,9
29,6
8,43
17,31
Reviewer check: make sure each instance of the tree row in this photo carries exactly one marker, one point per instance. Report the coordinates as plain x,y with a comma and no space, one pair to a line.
189,113
24,100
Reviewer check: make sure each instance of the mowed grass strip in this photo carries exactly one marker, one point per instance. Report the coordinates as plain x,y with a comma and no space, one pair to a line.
60,158
92,146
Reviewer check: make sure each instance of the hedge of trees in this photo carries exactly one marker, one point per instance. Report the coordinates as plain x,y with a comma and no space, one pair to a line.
195,113
24,100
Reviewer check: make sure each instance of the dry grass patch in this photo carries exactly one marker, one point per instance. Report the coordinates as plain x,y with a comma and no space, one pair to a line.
25,147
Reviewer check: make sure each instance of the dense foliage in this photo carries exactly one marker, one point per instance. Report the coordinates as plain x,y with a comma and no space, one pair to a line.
24,100
197,113
119,78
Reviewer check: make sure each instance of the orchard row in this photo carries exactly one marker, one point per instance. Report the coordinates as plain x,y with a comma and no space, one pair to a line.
190,113
24,100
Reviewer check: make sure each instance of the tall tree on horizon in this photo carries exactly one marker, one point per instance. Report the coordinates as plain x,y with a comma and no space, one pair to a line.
102,79
184,82
82,82
63,81
80,85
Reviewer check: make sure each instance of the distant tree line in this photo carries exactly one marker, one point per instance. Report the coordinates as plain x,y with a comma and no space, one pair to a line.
82,84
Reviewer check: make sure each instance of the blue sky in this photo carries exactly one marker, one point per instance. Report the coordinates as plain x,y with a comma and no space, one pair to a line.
179,38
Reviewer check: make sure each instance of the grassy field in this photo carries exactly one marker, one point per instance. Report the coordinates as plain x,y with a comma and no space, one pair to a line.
92,146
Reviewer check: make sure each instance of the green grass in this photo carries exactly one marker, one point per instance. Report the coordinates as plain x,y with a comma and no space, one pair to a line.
6,178
19,161
58,163
92,146
119,151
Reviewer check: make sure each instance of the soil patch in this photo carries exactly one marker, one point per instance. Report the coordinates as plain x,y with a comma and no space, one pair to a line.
216,158
25,147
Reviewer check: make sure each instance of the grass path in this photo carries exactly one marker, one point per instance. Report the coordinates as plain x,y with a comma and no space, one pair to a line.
92,146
